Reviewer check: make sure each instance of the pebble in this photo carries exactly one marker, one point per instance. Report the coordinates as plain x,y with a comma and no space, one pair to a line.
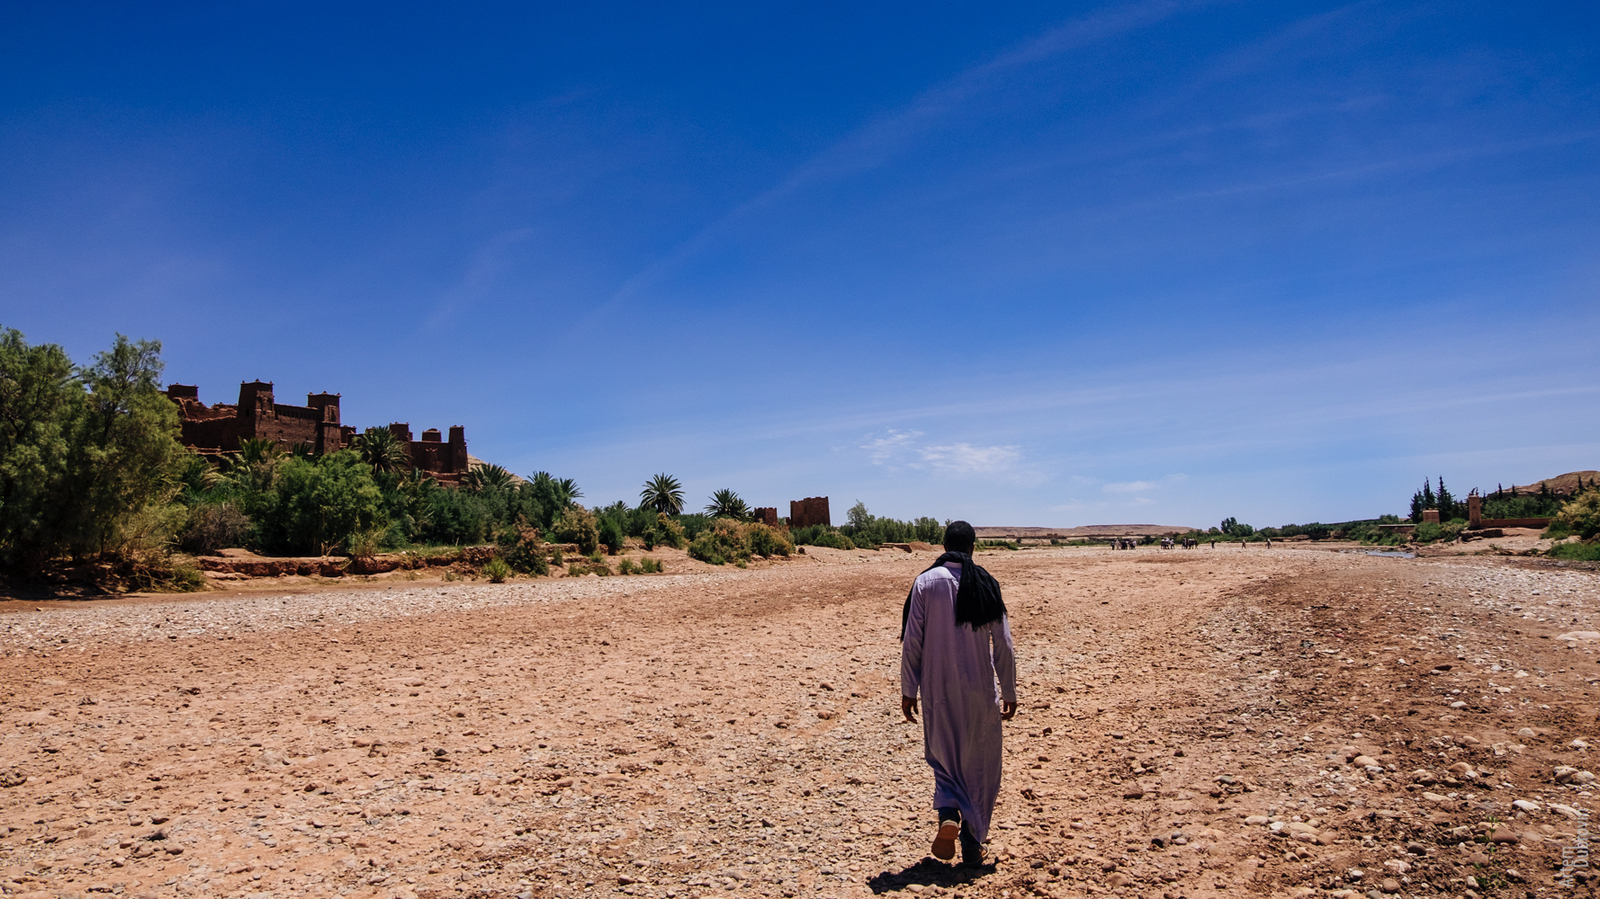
1526,805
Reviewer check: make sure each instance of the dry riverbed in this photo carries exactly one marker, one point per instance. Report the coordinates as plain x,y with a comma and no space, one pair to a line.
1195,723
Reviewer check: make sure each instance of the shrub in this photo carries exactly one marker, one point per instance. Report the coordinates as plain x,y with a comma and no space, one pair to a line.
766,541
1579,552
727,540
1581,515
316,506
610,535
497,570
1427,532
648,565
577,525
366,543
215,526
522,549
588,566
625,567
821,535
666,532
692,524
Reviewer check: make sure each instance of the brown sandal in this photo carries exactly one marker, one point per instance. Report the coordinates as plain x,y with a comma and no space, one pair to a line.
944,845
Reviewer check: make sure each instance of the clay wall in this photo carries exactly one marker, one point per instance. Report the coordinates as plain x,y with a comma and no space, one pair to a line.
767,515
809,511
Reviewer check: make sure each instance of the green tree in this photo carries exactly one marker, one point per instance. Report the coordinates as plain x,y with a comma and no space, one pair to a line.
662,493
483,478
40,400
381,450
727,504
126,453
1446,502
316,507
858,516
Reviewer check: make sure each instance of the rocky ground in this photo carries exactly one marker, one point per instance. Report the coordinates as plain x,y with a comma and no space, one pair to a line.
1211,722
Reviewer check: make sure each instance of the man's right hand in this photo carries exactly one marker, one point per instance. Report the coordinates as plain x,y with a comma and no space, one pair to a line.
908,708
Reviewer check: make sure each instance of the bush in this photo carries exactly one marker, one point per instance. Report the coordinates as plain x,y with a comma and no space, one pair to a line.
215,526
1581,515
692,524
522,549
497,570
610,535
588,566
316,506
1578,552
821,535
766,541
724,541
366,544
666,532
577,525
1427,532
648,565
625,567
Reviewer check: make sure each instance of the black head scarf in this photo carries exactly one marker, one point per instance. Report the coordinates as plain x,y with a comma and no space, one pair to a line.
977,596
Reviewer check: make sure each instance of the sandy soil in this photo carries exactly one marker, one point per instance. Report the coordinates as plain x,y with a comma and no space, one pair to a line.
1194,723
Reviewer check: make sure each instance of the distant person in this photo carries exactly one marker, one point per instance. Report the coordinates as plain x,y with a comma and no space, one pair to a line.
956,646
1269,543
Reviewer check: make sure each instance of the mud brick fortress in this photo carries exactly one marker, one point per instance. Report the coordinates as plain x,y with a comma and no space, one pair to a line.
214,430
809,511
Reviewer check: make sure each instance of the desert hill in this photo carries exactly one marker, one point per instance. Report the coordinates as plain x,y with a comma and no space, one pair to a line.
1561,484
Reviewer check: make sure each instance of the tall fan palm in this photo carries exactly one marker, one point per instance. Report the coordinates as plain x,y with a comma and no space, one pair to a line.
255,465
566,490
253,451
489,477
379,448
662,493
727,504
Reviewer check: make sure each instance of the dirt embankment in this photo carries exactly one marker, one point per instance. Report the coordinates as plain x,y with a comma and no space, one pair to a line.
1194,723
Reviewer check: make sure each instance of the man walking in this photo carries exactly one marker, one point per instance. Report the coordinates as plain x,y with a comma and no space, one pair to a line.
956,647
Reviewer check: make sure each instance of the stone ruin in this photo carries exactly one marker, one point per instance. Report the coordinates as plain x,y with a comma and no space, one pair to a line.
212,431
809,511
767,515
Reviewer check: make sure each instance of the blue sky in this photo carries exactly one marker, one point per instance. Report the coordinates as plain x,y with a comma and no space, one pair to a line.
1040,264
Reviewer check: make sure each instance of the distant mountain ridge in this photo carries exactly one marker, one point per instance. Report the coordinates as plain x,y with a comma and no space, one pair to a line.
1090,530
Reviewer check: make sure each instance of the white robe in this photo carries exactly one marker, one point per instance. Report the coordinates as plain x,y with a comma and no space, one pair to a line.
956,668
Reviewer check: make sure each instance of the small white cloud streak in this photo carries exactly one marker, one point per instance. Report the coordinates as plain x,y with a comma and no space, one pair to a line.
903,449
1129,487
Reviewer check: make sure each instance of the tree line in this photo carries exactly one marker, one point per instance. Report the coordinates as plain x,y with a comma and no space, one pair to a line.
92,469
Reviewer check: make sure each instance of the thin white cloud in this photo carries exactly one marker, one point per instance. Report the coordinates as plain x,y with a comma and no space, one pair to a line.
904,449
964,458
1129,487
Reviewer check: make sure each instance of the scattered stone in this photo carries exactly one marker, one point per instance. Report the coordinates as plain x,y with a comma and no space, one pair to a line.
1526,805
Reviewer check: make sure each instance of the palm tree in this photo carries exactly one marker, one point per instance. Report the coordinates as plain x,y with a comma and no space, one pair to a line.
727,504
194,475
566,491
253,451
662,493
379,448
254,466
489,477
